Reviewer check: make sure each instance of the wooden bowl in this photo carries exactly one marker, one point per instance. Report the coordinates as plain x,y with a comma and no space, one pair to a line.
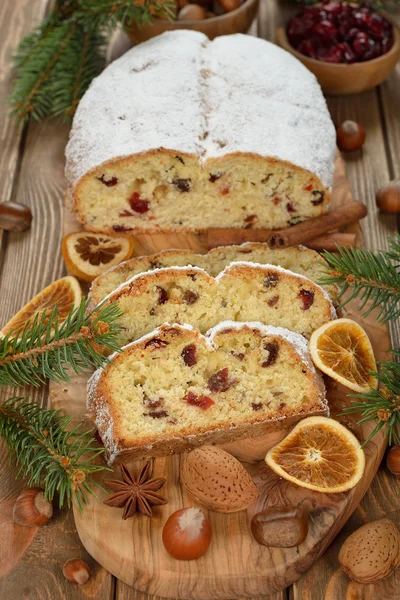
342,80
236,21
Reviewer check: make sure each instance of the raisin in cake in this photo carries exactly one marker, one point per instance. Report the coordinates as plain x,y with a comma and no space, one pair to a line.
242,292
176,389
184,133
298,259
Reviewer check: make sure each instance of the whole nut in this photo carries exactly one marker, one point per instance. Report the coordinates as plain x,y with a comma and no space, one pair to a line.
76,571
372,552
280,526
218,480
388,197
350,136
31,509
15,216
393,460
229,5
192,12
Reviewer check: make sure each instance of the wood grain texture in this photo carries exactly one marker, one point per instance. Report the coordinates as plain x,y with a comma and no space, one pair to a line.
132,550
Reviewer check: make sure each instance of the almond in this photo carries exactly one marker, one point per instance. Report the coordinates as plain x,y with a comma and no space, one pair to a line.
372,552
218,480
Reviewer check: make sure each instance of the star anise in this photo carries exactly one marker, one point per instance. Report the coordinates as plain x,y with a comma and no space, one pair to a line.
136,494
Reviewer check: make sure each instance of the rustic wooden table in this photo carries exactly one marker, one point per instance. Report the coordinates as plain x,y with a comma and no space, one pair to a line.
31,172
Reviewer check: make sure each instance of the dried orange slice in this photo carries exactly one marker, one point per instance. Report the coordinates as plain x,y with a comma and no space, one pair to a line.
319,454
88,255
342,350
65,292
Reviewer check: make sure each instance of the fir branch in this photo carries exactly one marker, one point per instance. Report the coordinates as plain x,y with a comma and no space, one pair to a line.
44,349
49,452
382,405
55,64
371,277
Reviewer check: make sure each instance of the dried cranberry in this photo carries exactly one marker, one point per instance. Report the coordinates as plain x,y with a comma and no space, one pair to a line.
122,228
326,31
189,355
360,43
348,55
203,402
183,185
225,190
272,350
152,403
156,343
307,297
257,406
238,355
273,301
160,414
290,208
137,204
271,281
334,55
214,176
108,182
307,47
219,382
162,295
190,297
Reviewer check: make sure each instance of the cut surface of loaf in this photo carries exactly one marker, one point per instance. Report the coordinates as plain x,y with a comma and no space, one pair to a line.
176,389
201,134
298,259
241,292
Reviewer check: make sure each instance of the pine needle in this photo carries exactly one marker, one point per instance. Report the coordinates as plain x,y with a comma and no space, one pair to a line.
44,349
49,452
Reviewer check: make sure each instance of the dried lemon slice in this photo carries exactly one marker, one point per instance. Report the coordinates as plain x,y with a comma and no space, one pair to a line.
88,255
319,454
342,350
65,292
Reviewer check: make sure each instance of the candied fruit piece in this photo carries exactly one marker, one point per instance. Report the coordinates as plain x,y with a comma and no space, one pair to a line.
203,402
190,297
108,182
138,204
189,355
156,343
273,350
219,382
118,228
307,298
183,185
162,295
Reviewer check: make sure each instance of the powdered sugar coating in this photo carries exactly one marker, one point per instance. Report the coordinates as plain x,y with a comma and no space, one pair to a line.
182,92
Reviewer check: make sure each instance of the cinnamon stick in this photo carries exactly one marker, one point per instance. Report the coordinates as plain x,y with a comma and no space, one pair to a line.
312,228
327,241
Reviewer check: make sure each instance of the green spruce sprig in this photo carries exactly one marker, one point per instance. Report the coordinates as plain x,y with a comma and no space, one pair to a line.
382,405
45,348
55,64
374,278
49,451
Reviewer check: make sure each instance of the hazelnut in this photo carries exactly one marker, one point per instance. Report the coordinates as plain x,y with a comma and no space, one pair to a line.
388,197
280,526
187,534
393,460
350,136
192,12
229,5
76,571
31,509
14,216
372,552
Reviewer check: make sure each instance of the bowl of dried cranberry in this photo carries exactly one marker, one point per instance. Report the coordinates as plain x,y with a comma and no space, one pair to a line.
349,48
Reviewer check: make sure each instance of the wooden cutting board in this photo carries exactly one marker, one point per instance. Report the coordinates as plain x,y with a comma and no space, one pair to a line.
235,565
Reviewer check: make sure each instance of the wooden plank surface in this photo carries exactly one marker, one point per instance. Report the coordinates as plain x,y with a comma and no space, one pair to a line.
30,561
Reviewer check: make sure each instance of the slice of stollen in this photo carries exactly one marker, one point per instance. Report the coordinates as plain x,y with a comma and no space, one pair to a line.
175,389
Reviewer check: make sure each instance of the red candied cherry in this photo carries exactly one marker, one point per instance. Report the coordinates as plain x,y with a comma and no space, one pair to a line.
307,48
362,19
333,8
326,31
376,27
299,28
374,50
352,34
138,204
348,54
